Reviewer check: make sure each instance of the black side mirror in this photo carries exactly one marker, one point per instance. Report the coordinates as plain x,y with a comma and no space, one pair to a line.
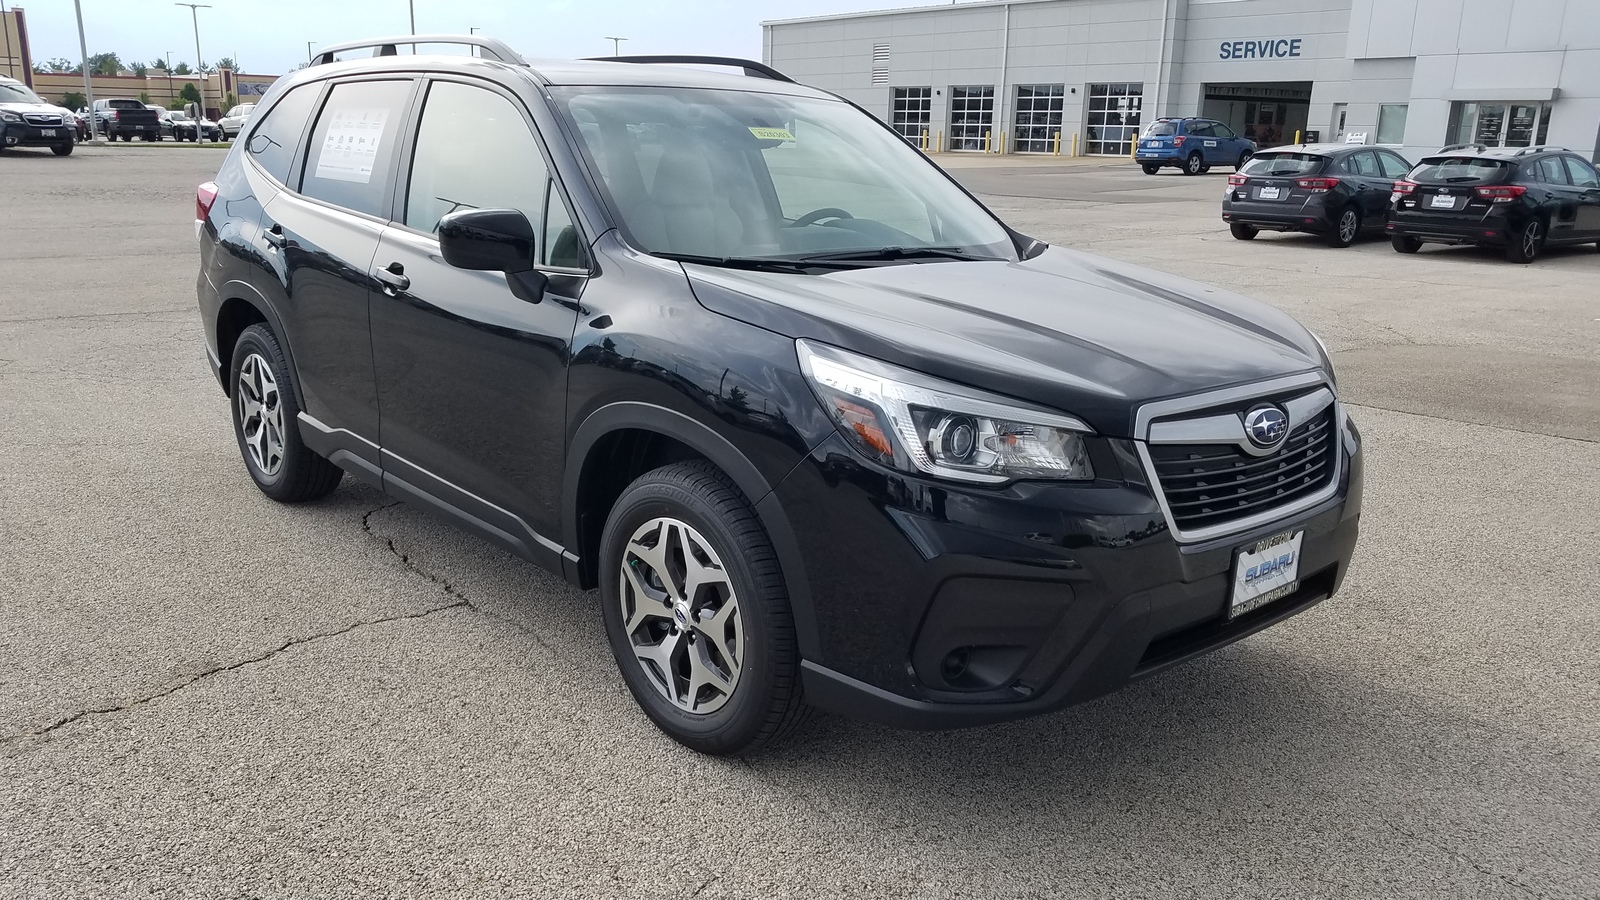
490,240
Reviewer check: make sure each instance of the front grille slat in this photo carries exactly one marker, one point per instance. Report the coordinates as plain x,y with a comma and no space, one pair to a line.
1211,484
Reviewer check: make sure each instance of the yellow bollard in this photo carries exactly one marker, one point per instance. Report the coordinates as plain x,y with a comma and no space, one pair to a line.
1297,135
986,142
1074,145
938,145
1058,144
924,140
1004,143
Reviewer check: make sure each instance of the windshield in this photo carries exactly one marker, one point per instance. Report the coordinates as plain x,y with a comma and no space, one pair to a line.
17,93
725,174
1459,170
1270,164
1162,129
179,116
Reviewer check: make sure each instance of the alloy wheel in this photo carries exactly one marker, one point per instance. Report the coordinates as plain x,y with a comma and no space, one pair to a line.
1349,223
681,615
261,414
1530,240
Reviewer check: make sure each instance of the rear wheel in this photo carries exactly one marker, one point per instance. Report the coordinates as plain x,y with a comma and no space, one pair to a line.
1244,159
1527,243
1404,243
1194,165
697,611
1244,232
1151,168
266,410
1346,228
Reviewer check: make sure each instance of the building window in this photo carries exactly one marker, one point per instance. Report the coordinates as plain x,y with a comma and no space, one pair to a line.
971,116
880,63
911,111
1038,116
1499,124
1112,123
1392,123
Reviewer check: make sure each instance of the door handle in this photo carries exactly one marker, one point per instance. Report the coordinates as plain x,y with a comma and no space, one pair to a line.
274,236
393,277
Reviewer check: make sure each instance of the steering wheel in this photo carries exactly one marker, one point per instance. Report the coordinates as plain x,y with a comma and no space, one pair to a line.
817,215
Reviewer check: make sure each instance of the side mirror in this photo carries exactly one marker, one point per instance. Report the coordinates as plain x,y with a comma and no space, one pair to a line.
490,240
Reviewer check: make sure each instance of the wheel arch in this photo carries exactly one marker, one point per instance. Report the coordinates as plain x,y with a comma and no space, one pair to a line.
621,441
241,307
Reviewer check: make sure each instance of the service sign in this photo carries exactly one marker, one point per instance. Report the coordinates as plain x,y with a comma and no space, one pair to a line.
1268,48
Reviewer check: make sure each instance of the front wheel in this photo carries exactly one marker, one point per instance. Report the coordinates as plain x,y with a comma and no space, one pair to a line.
62,149
1403,243
1346,228
1527,243
697,612
266,410
1194,165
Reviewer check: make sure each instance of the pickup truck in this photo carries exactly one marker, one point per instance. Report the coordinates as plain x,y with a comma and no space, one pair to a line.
126,118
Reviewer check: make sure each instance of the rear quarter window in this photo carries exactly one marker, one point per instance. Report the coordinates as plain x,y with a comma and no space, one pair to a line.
351,152
276,136
1272,164
1460,170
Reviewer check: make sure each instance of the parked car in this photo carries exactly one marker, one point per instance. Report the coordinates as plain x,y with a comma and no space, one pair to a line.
81,117
165,116
1193,145
232,123
1521,199
821,429
1335,190
26,120
123,118
189,129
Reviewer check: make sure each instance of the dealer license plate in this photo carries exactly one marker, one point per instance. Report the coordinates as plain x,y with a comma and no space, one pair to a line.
1270,193
1442,201
47,132
1265,571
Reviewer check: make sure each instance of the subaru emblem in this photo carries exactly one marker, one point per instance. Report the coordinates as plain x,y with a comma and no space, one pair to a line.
1266,426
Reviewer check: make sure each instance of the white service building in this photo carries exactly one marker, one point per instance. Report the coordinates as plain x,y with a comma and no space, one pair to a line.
1412,74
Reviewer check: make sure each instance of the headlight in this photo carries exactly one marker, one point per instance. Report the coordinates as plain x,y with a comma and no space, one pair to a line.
916,423
9,116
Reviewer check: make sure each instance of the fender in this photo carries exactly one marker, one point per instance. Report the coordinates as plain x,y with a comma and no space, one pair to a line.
723,454
243,290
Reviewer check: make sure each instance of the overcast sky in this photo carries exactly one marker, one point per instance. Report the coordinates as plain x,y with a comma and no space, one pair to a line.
269,36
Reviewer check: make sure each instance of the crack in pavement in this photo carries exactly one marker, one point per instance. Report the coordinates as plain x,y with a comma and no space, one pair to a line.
102,315
1456,854
238,664
1353,404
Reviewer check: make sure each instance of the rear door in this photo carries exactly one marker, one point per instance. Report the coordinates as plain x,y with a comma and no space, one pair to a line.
1561,199
473,379
324,238
1586,185
1204,139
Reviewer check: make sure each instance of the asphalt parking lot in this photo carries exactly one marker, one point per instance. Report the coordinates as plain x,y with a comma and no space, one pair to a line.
203,693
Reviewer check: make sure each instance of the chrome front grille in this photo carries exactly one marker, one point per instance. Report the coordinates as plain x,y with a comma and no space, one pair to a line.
41,120
1214,484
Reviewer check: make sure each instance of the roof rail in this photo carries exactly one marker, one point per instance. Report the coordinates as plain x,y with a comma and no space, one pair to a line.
750,66
1454,147
1526,150
492,48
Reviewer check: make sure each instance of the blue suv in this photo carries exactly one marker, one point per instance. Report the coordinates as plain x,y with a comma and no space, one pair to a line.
1193,145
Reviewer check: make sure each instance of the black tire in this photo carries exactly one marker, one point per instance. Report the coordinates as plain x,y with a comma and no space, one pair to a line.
1526,245
1151,168
301,474
1195,164
1346,228
1403,243
764,705
62,149
1244,159
1244,232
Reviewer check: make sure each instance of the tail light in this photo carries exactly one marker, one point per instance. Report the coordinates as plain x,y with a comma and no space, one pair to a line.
204,197
1503,194
1236,179
116,115
1177,141
1405,187
1318,185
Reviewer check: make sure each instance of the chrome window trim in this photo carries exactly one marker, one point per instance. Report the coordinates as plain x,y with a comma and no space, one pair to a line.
1299,409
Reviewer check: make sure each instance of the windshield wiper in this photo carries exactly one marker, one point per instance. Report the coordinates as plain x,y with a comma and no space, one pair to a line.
756,263
890,254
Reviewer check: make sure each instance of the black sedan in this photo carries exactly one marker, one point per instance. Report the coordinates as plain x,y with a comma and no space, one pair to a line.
1336,190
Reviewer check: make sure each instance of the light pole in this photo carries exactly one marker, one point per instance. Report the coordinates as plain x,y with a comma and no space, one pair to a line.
309,55
88,86
413,5
616,45
170,96
6,21
199,62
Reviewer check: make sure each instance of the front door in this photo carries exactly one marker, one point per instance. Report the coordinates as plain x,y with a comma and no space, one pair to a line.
1586,185
472,380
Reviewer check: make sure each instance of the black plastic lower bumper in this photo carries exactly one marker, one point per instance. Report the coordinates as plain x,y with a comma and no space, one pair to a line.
25,135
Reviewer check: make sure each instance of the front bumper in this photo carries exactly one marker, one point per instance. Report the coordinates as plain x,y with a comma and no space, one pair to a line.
938,606
22,134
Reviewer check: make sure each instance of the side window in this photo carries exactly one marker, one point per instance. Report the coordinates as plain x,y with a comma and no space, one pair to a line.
1199,129
562,245
1361,163
1551,171
1222,131
1393,166
276,135
1583,174
352,148
474,151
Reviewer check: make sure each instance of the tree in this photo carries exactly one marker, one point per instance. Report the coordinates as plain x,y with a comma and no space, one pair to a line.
189,93
144,97
227,63
208,68
230,101
105,64
182,68
139,69
73,100
159,65
58,65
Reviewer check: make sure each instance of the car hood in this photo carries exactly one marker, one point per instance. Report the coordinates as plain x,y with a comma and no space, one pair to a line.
1086,335
35,108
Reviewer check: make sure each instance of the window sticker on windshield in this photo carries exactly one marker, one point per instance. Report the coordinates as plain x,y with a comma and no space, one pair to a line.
772,134
351,145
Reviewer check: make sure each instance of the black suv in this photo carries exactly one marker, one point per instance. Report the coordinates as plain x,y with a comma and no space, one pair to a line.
822,430
1521,199
1335,190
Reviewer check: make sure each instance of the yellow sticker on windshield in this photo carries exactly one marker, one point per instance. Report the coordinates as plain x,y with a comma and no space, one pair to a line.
772,134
